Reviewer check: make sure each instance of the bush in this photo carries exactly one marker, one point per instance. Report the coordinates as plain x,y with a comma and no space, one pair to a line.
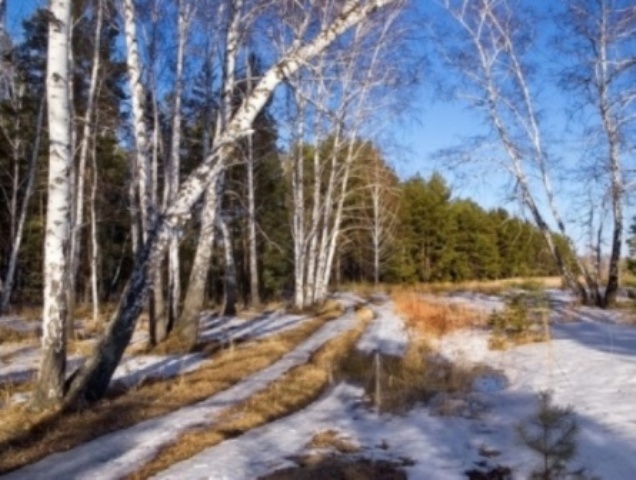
551,433
520,321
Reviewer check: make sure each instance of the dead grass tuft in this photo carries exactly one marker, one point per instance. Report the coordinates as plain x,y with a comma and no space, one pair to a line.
332,440
83,348
434,319
291,392
26,437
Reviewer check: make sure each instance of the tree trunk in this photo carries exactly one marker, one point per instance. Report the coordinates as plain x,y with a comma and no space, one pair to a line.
158,323
174,270
49,386
193,302
255,298
298,208
94,237
78,217
188,321
230,293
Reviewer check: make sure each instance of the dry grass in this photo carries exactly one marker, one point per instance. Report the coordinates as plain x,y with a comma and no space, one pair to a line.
332,440
291,392
397,384
10,388
341,468
523,320
83,348
29,313
488,287
501,342
12,335
433,319
26,437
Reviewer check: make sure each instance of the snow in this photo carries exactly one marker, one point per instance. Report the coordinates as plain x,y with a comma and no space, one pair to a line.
119,453
589,363
386,334
18,362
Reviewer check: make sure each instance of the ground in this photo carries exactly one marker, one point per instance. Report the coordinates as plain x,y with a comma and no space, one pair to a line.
587,362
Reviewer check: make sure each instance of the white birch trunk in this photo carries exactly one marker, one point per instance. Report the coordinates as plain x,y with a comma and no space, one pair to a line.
158,323
195,295
50,381
230,290
255,298
298,213
78,218
174,270
187,321
94,236
310,287
140,129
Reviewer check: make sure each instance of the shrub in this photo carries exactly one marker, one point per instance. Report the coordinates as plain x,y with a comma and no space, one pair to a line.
520,321
551,433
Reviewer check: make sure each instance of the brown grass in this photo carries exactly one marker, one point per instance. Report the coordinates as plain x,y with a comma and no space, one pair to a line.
504,342
397,384
332,440
433,319
342,468
291,392
488,287
26,437
12,335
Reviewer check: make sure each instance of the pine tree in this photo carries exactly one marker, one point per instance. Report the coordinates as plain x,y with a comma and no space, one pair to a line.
551,434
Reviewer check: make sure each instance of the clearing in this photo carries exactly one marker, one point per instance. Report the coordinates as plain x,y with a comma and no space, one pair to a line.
416,405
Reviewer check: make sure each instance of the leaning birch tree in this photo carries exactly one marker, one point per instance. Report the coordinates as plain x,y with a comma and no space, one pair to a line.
49,388
497,84
91,381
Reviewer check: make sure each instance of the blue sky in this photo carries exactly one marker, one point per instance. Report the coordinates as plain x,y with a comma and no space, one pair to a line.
435,122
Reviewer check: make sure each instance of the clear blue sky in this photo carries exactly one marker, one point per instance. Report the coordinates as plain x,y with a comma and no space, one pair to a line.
436,124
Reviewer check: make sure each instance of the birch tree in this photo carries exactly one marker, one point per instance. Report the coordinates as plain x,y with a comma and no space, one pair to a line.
497,83
601,43
49,387
339,94
174,272
143,166
92,379
86,136
194,297
255,298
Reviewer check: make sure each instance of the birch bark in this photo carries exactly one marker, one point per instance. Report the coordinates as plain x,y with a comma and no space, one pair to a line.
195,294
255,298
49,388
78,218
174,271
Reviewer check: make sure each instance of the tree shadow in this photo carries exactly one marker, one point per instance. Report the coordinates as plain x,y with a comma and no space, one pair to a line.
593,328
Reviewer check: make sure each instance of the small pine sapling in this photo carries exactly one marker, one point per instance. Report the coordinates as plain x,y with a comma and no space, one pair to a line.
551,433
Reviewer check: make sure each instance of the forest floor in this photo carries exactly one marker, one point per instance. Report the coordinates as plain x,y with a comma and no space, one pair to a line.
375,395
